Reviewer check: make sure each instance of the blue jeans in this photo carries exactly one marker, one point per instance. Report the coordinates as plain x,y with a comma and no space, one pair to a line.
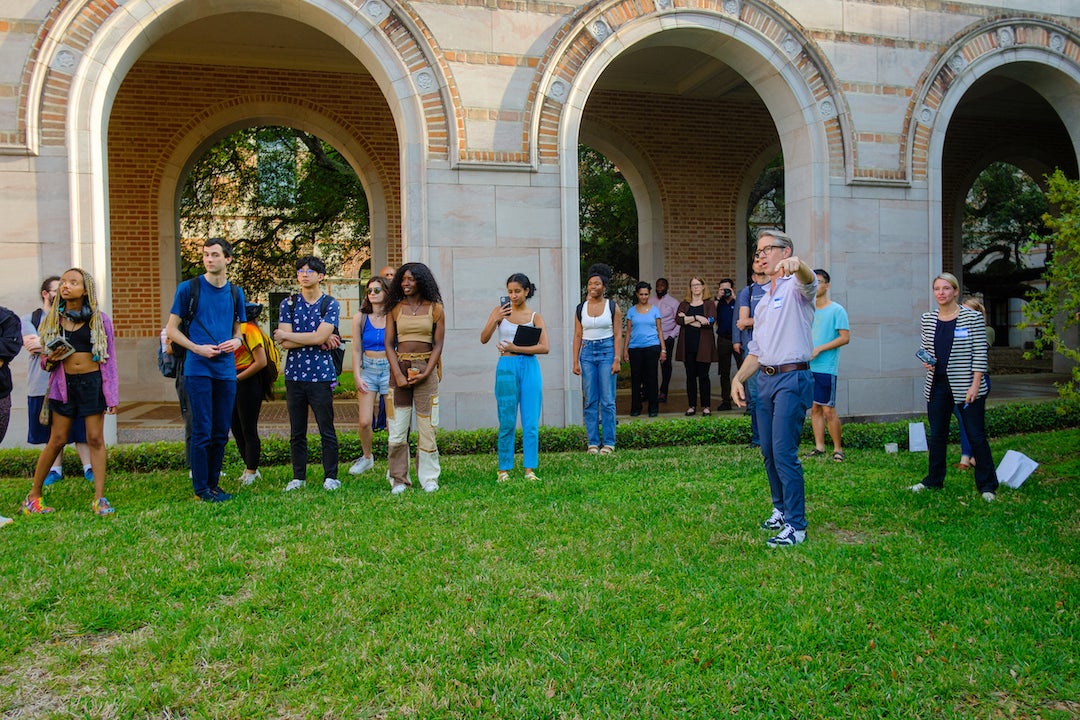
518,383
598,384
782,402
211,404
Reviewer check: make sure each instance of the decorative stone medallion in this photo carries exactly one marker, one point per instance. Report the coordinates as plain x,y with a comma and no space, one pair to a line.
557,91
65,61
1006,37
827,109
732,7
926,115
376,10
599,30
424,80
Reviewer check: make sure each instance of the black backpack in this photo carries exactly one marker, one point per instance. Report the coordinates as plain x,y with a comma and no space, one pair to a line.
338,353
611,307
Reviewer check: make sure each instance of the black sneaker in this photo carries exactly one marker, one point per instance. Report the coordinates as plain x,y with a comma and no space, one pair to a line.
208,496
220,494
787,537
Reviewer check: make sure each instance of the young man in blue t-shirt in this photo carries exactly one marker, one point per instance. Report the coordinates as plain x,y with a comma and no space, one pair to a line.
213,335
306,324
831,332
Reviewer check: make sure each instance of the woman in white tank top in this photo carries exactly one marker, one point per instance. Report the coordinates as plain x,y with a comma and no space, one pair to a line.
597,332
518,383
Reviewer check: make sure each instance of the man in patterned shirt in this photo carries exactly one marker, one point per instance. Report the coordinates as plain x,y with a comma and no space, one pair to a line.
306,324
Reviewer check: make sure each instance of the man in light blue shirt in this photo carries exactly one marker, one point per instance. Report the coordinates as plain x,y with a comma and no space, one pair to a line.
781,350
831,332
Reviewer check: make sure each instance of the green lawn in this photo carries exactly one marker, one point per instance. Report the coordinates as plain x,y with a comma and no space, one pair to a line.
636,585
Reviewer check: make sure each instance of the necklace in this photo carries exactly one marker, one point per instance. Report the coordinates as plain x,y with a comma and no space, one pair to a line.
414,309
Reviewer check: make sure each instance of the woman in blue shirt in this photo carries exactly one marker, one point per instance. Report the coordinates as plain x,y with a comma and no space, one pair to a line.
644,350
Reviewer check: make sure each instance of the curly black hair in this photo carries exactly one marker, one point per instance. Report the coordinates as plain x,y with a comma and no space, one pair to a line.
425,283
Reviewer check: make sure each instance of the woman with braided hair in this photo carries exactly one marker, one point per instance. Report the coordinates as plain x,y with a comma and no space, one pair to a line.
83,381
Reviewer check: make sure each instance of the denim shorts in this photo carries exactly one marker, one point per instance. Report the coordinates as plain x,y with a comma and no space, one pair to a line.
376,374
84,394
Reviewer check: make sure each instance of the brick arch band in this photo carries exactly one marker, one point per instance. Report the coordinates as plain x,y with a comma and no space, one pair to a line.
595,31
403,48
969,56
209,126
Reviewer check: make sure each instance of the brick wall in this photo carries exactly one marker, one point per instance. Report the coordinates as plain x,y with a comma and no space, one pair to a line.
159,103
700,152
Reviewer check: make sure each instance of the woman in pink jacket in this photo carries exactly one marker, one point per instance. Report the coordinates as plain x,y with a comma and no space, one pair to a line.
80,355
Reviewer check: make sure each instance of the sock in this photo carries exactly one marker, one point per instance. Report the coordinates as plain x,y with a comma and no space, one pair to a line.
58,468
86,467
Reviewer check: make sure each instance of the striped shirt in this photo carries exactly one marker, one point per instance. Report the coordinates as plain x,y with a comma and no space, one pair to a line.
968,354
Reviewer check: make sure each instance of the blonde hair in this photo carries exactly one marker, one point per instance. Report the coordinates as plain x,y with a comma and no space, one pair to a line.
949,278
50,325
973,303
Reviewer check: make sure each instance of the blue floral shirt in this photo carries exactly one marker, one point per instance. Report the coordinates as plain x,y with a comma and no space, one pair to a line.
309,363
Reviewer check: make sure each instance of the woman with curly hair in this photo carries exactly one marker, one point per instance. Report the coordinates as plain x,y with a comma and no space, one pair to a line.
84,381
415,329
370,366
597,334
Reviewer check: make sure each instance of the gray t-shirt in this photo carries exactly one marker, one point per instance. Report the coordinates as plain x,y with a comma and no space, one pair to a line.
37,379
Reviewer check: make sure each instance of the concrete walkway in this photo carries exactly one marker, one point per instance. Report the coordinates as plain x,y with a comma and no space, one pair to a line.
150,422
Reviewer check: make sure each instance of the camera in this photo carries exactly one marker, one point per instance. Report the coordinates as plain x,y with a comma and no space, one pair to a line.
726,292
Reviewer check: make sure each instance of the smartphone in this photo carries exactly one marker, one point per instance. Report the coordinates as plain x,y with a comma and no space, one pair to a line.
504,301
925,356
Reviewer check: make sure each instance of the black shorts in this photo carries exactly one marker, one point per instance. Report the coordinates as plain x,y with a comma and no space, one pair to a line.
38,434
85,396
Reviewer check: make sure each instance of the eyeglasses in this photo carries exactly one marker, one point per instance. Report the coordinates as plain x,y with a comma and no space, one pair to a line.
374,290
306,271
765,250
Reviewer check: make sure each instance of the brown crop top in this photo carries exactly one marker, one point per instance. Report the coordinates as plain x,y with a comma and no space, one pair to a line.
417,328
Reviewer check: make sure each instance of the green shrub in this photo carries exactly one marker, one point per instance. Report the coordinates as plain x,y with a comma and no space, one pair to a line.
1001,420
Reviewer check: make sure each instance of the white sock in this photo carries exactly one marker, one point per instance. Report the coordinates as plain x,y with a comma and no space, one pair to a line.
86,467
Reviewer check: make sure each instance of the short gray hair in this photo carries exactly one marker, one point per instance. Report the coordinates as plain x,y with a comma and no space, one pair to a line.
780,235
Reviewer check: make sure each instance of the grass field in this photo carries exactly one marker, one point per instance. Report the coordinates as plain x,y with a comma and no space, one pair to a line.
636,585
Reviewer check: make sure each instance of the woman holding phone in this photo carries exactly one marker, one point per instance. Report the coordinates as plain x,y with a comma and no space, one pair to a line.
518,383
954,354
84,382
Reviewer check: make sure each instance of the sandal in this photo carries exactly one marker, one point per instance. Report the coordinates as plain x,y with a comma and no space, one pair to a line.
962,466
838,456
502,477
689,412
607,450
814,453
531,476
593,450
706,412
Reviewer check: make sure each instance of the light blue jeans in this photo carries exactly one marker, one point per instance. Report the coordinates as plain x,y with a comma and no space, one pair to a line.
518,383
782,402
598,385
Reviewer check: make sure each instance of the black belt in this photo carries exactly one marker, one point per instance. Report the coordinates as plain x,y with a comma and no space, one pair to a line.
790,367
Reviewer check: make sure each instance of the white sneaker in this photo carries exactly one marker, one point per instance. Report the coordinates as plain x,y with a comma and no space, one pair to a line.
331,484
430,486
989,496
918,487
398,489
5,521
247,478
294,484
362,465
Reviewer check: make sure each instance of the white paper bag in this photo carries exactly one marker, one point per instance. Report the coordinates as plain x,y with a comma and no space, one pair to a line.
1015,468
916,437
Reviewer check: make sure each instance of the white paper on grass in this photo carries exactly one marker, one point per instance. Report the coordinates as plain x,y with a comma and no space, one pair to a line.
916,434
1015,468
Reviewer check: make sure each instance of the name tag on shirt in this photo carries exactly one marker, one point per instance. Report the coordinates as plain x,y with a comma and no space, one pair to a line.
777,303
961,334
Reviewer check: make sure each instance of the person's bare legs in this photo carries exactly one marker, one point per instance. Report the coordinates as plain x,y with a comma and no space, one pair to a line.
367,417
817,421
833,422
95,439
58,435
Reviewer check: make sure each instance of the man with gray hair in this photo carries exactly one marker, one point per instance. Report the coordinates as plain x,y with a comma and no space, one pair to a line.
781,349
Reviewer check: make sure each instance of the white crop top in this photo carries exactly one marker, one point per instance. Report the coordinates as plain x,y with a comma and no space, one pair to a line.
508,330
596,328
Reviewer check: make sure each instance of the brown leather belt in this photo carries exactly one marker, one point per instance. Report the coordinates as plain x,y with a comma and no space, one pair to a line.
790,367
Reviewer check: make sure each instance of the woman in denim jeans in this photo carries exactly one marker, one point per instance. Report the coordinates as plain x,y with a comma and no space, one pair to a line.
370,366
597,332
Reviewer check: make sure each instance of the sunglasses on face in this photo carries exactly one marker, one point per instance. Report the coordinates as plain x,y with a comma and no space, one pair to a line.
374,290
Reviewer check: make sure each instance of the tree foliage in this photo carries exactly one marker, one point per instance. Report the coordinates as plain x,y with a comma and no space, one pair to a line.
275,193
1055,309
765,206
1004,209
607,215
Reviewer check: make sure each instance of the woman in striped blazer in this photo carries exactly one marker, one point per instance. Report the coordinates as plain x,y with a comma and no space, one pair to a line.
955,337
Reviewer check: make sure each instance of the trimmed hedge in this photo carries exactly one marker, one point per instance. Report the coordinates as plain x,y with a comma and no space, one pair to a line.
1008,419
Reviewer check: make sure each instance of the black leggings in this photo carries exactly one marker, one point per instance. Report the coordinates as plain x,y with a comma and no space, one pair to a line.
245,420
697,376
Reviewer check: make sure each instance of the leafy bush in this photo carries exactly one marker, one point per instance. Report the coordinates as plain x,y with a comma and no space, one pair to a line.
1001,420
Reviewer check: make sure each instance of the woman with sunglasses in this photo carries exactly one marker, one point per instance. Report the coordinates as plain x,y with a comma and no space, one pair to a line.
370,366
